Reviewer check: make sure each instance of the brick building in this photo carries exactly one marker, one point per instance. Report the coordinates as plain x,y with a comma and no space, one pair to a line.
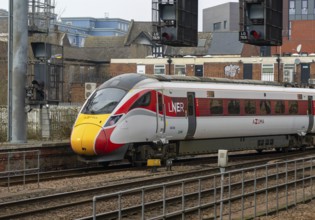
292,70
218,54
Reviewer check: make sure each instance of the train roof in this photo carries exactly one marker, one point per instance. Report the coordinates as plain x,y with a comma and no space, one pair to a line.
127,81
172,78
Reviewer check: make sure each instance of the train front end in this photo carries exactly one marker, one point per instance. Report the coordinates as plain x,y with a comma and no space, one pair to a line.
90,137
91,131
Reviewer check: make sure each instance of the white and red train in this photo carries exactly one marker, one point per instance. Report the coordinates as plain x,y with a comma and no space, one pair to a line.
138,117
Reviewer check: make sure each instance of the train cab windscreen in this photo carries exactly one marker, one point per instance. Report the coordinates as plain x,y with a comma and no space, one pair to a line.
103,101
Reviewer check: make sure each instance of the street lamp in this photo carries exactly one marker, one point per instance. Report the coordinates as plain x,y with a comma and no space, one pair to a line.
278,61
169,61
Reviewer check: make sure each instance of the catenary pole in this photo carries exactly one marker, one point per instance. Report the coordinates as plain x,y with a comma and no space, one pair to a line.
19,70
10,50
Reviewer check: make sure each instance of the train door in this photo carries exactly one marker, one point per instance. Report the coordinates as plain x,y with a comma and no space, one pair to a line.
160,113
310,114
191,115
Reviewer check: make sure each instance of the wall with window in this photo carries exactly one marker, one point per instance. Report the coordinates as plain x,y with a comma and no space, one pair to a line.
261,68
224,17
79,28
301,9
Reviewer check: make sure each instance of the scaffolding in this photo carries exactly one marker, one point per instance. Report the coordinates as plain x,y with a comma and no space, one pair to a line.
40,15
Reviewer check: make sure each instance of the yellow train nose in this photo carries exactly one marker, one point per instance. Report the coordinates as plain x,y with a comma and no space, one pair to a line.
83,138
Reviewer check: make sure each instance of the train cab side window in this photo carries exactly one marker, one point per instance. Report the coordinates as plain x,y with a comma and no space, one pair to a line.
143,101
279,107
265,108
250,107
160,100
234,107
293,107
216,106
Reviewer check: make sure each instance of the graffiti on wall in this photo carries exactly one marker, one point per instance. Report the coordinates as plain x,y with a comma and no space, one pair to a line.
231,70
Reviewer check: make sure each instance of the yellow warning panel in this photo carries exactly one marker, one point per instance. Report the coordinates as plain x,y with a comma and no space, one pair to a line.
153,162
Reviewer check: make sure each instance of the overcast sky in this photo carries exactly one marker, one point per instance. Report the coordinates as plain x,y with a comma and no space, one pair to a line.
138,10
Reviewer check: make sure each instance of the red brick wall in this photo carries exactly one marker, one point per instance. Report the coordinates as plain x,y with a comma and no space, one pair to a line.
117,68
77,93
302,32
250,50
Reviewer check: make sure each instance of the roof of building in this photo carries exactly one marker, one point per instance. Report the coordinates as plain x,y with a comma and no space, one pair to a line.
204,42
105,41
225,43
216,43
94,54
138,28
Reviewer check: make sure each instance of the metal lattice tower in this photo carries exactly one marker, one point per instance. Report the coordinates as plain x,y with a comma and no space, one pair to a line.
40,15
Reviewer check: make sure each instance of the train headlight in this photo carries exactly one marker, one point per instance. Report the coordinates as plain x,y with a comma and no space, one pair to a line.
113,120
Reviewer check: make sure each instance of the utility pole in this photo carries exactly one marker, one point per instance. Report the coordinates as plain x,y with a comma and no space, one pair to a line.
17,95
10,49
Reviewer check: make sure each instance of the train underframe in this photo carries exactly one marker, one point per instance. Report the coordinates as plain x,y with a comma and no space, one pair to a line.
141,152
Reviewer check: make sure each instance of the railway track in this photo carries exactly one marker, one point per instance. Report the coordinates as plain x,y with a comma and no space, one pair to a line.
16,178
82,199
12,179
242,202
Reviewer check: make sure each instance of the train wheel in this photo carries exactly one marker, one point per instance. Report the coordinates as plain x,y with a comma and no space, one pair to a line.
139,164
259,151
284,149
105,164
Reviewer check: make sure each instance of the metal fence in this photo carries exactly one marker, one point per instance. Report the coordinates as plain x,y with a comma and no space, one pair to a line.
61,120
242,194
19,165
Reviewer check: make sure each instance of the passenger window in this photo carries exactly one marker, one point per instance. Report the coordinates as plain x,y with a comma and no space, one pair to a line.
216,106
293,107
143,101
279,107
250,107
234,107
265,107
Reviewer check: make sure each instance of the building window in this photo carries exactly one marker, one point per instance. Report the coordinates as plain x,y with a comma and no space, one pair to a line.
157,51
74,41
267,73
141,68
159,69
217,26
304,7
82,69
180,70
225,24
292,7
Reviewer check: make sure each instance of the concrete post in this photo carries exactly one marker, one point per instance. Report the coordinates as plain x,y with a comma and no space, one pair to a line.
19,70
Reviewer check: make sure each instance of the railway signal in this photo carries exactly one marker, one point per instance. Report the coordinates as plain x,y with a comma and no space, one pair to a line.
176,22
261,22
255,34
